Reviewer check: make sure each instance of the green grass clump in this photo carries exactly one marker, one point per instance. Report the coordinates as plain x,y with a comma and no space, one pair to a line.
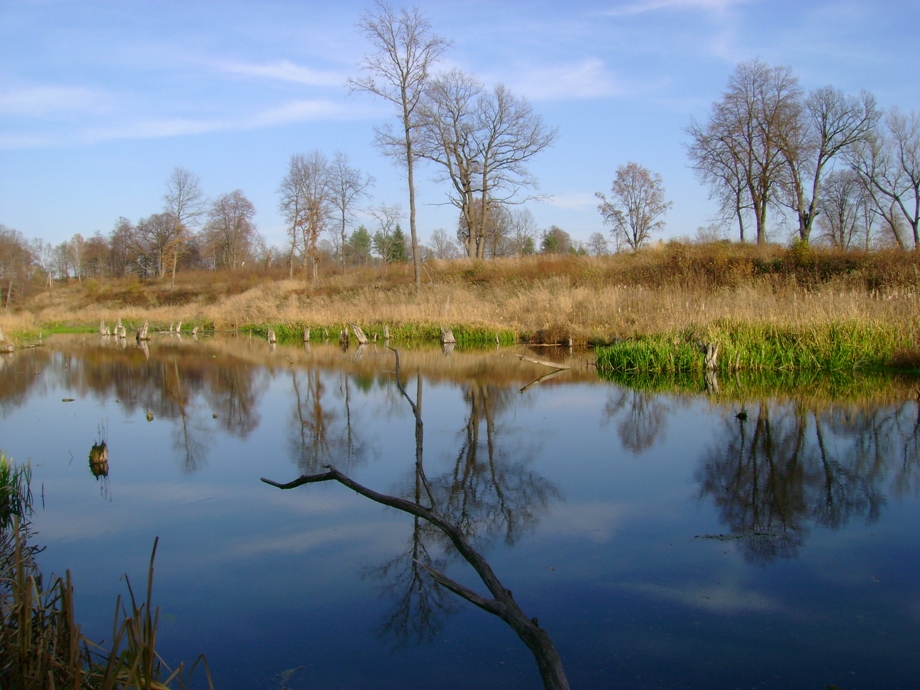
838,346
466,336
15,492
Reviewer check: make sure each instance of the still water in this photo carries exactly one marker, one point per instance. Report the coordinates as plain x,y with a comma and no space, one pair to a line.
662,540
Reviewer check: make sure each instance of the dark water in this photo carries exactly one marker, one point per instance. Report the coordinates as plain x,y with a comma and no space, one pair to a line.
661,540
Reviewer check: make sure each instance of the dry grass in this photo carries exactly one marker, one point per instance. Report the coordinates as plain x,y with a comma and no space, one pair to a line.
548,298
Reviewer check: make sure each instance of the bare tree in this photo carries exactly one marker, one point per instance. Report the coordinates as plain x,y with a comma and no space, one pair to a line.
405,49
347,185
186,204
524,231
306,201
77,245
636,206
15,262
443,246
844,221
153,241
597,244
230,234
889,165
830,123
387,217
483,141
739,151
716,165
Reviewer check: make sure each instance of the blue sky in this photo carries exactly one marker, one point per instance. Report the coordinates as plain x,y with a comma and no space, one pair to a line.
100,101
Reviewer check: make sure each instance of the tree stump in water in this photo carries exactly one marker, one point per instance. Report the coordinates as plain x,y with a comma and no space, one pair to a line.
99,460
710,356
306,335
359,334
447,336
272,339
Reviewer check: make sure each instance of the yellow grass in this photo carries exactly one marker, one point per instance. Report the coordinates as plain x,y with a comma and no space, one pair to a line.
541,297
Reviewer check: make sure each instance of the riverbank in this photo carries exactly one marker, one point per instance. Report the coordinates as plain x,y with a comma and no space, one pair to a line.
590,301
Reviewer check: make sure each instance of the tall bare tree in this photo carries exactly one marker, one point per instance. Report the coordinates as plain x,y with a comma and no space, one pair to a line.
186,204
739,151
404,51
636,205
482,140
306,201
230,234
347,186
889,165
830,123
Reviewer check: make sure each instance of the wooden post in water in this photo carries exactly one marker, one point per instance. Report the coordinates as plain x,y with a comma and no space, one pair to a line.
306,335
447,336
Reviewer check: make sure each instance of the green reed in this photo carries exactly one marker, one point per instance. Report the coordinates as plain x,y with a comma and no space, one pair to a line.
837,346
466,336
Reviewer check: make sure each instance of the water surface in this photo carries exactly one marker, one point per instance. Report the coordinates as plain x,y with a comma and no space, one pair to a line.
662,540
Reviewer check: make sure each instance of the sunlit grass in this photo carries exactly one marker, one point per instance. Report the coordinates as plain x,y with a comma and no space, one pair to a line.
554,298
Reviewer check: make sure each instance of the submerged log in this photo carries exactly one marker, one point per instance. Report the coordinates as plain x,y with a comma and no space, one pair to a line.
359,334
447,336
543,362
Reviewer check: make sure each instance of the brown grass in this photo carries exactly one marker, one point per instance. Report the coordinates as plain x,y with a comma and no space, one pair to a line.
545,298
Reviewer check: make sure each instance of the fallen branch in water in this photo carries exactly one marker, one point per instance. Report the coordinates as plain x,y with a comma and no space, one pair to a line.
502,604
543,362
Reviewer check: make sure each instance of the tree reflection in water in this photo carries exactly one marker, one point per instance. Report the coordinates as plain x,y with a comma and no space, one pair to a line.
318,434
479,497
783,467
644,418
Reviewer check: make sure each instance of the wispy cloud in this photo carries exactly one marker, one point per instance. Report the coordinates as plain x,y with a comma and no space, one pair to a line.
644,6
285,71
43,101
573,201
589,78
166,127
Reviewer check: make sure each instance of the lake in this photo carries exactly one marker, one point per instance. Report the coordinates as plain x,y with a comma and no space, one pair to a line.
672,539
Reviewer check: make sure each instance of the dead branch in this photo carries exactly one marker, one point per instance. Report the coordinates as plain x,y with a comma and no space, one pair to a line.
544,362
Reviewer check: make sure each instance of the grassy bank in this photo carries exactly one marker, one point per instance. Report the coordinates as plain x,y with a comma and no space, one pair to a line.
543,299
830,346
